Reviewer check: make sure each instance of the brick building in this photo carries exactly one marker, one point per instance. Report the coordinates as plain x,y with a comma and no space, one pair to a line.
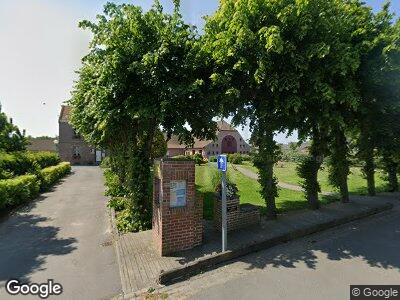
228,140
71,146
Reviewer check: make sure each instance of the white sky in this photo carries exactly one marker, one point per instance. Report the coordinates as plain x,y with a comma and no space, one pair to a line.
41,48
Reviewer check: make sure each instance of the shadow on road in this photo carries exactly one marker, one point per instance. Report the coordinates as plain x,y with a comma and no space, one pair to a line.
25,244
377,243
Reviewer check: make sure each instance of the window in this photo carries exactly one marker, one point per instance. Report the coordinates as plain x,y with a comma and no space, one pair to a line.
193,152
76,152
208,152
200,151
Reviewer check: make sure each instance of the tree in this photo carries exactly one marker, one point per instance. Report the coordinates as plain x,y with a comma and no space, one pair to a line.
140,74
378,79
283,65
11,138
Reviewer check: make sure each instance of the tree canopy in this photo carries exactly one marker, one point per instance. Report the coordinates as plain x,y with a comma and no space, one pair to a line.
141,75
11,138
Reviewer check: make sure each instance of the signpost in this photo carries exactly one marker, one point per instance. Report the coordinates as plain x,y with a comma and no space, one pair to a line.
222,165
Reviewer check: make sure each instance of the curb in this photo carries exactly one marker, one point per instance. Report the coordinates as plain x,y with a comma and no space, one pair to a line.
209,262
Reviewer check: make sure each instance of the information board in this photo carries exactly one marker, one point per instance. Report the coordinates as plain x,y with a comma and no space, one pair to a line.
178,193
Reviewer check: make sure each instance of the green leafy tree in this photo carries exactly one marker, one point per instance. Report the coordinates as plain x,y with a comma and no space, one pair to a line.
283,65
378,79
140,74
11,138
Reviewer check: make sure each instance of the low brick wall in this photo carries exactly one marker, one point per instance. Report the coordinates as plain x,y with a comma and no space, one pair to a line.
238,215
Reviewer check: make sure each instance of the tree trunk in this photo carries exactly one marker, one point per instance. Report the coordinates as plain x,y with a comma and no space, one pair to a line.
340,165
393,180
311,185
367,154
265,161
314,188
369,170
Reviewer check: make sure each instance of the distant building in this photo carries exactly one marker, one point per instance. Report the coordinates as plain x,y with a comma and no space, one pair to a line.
228,141
36,145
71,146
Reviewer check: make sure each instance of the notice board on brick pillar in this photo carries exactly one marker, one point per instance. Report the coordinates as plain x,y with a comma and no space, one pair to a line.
177,213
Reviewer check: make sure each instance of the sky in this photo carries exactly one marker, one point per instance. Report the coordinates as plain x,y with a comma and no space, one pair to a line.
42,46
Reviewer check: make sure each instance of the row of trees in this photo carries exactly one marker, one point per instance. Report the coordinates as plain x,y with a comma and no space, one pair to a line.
329,69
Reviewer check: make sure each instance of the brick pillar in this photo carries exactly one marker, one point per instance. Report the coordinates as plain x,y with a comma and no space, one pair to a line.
177,214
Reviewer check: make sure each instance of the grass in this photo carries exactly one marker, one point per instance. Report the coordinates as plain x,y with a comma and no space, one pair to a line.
248,191
286,172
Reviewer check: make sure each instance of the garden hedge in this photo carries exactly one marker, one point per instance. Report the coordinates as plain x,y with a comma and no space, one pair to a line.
18,190
21,163
51,175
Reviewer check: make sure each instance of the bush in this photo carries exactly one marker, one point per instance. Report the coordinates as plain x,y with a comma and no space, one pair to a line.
118,203
21,163
247,157
129,220
44,159
197,158
51,175
212,158
293,156
235,158
113,186
18,190
182,157
105,163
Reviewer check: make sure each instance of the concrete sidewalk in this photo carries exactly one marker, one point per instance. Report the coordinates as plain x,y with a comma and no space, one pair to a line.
141,267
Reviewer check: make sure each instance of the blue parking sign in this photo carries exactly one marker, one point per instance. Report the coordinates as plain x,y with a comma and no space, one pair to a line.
222,162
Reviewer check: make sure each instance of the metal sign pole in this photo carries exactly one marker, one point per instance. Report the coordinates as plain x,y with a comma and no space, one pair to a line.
224,217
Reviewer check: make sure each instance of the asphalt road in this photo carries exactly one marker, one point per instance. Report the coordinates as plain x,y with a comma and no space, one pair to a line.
321,266
64,235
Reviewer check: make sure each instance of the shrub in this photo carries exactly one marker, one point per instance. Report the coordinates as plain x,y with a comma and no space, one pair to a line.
113,186
182,157
198,159
235,158
44,159
105,163
18,190
231,191
293,156
118,203
212,158
21,163
130,220
246,157
51,175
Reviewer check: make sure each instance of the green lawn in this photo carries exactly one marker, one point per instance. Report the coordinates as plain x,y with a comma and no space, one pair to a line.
248,191
286,172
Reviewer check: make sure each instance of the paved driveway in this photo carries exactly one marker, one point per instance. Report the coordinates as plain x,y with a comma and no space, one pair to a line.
65,236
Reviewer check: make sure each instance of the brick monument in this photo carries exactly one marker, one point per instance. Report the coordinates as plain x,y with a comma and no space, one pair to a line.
177,214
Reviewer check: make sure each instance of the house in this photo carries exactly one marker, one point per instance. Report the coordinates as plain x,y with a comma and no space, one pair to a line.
39,144
228,140
72,147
